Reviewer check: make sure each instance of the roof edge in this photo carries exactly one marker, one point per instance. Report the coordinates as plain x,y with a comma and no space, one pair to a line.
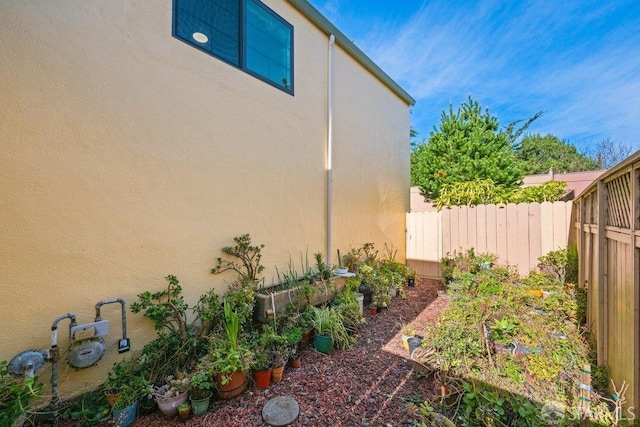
325,25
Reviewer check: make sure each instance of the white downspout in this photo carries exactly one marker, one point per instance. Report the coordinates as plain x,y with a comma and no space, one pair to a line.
332,40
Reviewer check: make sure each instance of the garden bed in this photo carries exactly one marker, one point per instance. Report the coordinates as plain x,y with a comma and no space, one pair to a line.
371,383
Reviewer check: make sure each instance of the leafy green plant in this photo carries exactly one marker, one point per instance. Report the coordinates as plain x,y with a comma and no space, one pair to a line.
327,321
167,308
88,409
16,395
132,391
201,381
572,263
262,359
179,339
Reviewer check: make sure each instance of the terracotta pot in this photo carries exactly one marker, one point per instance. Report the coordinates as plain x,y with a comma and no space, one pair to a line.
374,310
111,397
234,387
306,338
295,363
262,378
277,373
169,407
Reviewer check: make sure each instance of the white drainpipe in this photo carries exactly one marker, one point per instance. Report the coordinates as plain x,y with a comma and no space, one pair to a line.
332,40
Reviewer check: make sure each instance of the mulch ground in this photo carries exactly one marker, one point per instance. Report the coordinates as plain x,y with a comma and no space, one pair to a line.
369,384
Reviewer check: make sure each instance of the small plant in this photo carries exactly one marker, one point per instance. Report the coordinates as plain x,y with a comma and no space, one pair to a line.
503,330
245,260
324,272
171,388
407,329
555,264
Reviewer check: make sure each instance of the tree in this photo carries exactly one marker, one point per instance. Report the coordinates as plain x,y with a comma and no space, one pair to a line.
540,153
467,145
609,153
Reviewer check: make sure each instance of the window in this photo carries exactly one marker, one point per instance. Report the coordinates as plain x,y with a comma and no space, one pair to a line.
244,33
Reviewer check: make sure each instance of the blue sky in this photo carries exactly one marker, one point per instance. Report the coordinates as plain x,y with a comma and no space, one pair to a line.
578,61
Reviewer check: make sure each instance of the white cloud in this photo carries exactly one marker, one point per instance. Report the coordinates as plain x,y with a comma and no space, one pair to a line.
517,59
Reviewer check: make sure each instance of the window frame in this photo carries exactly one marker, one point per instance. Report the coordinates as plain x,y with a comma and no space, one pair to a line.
242,29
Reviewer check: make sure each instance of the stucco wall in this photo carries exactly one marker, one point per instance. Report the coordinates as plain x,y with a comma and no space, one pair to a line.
128,155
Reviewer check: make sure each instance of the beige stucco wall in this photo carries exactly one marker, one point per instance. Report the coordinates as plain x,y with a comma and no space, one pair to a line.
128,155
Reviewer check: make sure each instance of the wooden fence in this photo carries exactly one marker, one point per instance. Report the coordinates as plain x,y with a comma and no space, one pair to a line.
608,237
516,234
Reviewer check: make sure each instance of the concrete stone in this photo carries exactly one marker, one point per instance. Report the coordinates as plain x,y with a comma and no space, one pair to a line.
280,411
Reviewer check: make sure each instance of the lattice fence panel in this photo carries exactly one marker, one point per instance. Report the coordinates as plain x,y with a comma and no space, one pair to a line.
619,201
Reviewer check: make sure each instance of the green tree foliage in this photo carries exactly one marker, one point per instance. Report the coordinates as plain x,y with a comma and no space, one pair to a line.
468,144
485,191
540,153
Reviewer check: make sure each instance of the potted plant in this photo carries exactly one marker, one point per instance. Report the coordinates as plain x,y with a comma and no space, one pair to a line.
406,331
125,408
229,358
382,300
261,365
171,394
16,396
184,411
122,372
200,389
330,330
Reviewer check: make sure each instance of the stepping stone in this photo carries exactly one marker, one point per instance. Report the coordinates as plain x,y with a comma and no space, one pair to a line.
280,411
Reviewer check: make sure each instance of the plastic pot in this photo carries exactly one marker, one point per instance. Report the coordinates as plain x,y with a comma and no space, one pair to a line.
323,344
200,406
414,342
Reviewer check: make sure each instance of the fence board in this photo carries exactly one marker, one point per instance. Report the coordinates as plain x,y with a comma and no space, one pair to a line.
501,233
482,233
559,226
463,226
546,223
472,227
512,233
492,232
522,244
535,235
516,234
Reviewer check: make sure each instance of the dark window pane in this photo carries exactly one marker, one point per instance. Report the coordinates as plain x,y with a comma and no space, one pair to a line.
212,25
268,45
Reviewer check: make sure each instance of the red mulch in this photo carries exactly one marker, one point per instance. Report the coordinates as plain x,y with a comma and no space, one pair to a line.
363,385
